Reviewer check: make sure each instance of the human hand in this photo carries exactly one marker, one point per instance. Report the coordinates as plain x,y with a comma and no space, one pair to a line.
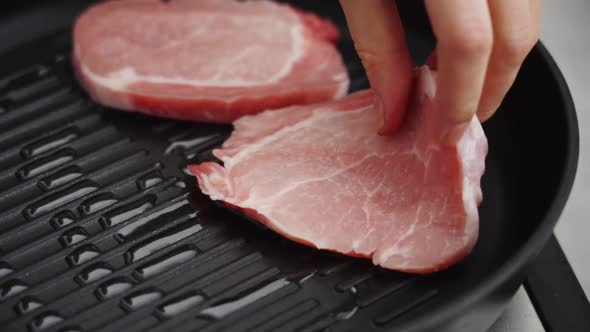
480,48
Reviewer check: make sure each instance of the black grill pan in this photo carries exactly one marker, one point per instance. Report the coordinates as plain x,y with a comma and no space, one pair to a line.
101,228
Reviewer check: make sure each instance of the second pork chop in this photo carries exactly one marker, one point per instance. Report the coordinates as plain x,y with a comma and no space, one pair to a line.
320,175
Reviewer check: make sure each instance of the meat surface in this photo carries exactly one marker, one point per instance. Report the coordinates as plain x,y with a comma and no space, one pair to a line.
206,60
320,175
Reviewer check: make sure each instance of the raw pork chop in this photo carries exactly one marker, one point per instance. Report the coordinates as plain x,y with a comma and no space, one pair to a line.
206,60
320,175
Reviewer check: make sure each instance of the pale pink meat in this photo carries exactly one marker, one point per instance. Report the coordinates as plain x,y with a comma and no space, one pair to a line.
206,60
320,175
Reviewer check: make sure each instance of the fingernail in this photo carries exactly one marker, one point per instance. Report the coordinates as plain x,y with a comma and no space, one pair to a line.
484,116
453,133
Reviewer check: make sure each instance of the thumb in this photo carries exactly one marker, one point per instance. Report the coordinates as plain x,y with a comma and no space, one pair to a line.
379,39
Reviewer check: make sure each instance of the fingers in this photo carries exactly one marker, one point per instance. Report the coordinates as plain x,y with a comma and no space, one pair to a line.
535,8
463,29
516,30
480,48
380,42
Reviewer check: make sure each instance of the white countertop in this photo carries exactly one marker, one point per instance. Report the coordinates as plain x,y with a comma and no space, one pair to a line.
564,32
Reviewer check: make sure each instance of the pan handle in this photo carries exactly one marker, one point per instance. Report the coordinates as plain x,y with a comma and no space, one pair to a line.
556,293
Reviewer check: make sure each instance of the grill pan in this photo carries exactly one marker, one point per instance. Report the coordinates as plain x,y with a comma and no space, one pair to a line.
102,229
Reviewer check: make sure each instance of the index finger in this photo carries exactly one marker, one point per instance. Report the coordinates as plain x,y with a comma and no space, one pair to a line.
379,39
463,29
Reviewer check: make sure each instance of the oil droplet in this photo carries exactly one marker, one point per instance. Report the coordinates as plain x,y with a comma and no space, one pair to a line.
52,202
11,288
127,212
165,263
128,230
5,269
45,164
186,171
163,240
344,315
73,236
192,143
48,143
94,273
179,305
113,287
63,219
97,203
82,255
62,177
306,277
141,298
224,309
149,180
45,320
27,304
